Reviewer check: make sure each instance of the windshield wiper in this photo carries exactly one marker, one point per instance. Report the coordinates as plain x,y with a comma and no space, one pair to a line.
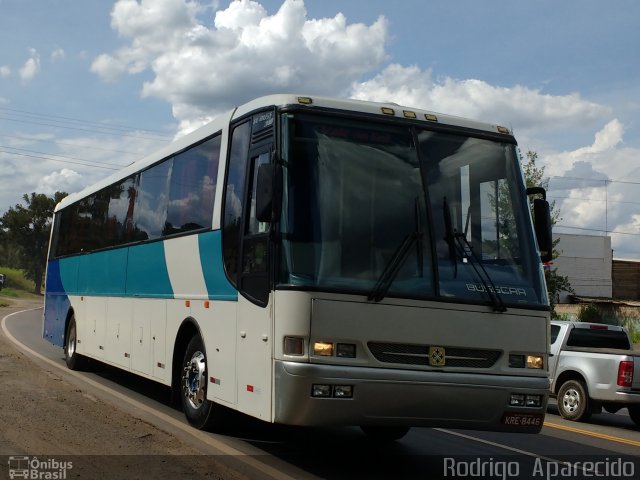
392,268
458,241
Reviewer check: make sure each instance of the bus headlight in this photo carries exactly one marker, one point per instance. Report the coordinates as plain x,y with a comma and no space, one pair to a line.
526,361
535,361
324,349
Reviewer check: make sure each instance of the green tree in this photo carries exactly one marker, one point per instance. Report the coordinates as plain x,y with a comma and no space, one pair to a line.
556,283
9,251
29,226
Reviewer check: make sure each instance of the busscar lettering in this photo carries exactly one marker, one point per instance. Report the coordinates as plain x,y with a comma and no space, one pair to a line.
502,290
263,120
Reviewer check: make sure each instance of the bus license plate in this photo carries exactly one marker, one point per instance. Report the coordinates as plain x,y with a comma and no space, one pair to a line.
523,419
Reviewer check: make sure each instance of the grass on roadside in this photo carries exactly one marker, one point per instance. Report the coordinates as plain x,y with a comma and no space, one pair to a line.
15,279
16,285
14,293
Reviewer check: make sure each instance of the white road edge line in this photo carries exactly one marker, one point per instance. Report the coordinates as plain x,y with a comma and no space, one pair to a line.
505,447
218,445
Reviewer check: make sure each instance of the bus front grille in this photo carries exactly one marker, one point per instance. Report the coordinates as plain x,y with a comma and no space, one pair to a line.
419,355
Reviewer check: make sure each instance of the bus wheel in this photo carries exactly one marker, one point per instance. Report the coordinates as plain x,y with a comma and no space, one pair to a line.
200,412
385,434
74,360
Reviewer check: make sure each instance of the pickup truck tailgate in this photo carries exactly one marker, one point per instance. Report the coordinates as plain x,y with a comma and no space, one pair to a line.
636,373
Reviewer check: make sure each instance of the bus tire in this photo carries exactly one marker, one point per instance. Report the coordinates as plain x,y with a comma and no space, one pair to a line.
384,434
73,359
200,412
573,401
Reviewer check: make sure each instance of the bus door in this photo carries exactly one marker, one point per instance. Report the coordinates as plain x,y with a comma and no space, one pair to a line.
254,313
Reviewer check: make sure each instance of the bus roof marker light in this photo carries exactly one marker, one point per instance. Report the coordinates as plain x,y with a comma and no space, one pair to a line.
305,100
388,111
409,114
504,130
431,117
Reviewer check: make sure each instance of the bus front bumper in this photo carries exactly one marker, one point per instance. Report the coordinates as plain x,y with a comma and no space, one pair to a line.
394,397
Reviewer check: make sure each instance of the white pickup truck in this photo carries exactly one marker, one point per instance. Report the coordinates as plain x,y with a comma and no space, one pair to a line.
592,367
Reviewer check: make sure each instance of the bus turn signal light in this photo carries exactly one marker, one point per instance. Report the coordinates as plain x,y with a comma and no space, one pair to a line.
293,346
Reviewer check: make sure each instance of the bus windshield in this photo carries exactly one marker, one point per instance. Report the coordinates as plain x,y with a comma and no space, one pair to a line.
395,211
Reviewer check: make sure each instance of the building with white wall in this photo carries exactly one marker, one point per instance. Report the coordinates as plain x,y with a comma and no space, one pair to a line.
587,261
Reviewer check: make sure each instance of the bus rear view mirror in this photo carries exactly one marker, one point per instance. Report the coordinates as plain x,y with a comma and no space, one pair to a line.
269,193
542,223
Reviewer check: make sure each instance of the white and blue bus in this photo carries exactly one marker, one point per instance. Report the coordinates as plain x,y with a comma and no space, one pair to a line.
316,261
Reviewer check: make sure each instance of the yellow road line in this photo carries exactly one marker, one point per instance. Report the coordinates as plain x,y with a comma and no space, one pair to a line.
592,434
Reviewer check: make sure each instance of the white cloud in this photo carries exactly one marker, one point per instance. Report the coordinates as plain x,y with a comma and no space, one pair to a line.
595,187
5,71
626,242
204,65
521,107
600,154
57,54
65,180
205,69
31,67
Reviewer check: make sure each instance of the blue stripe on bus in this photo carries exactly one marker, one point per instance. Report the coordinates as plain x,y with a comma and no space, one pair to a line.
218,287
147,274
56,306
103,273
137,271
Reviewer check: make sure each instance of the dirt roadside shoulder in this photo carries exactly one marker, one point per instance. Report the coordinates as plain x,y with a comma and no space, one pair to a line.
42,415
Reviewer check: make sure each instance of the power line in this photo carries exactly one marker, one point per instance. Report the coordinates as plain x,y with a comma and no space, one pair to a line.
591,199
62,156
84,122
604,181
596,230
120,134
72,144
61,161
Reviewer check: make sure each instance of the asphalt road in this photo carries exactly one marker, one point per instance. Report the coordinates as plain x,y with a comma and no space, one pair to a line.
559,451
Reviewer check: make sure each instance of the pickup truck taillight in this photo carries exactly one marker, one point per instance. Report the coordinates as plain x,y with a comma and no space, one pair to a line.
625,373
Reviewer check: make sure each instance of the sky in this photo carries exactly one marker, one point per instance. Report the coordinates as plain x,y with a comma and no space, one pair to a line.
87,87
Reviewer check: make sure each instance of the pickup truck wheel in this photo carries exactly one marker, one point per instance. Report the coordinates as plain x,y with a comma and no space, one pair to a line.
634,413
573,401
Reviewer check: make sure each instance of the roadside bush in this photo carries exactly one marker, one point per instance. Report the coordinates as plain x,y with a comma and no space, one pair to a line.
15,279
589,313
